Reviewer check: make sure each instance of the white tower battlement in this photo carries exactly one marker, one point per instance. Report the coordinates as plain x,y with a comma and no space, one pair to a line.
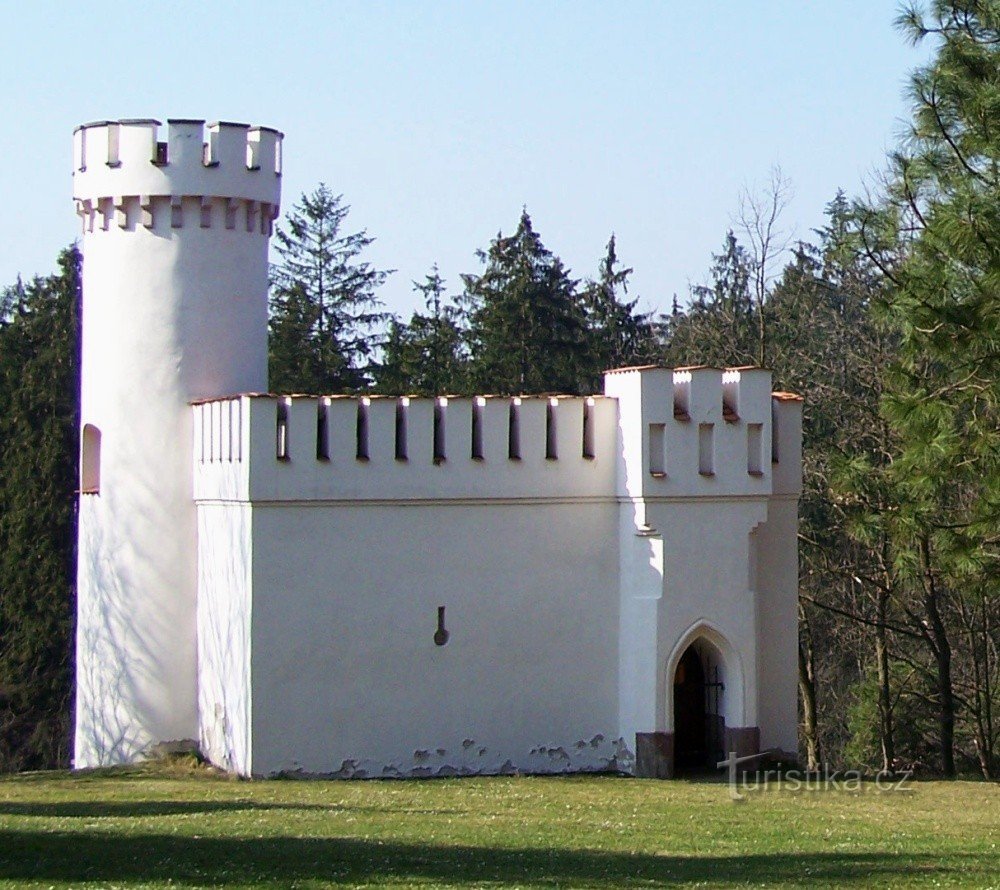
224,175
175,281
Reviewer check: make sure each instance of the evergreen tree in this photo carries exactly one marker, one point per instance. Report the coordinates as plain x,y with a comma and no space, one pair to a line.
324,307
719,327
424,357
620,336
39,421
938,238
527,327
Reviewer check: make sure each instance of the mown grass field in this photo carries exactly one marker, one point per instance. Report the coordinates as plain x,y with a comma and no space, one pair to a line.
174,826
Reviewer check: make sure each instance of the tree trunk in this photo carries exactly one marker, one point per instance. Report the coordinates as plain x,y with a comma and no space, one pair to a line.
807,689
886,737
937,637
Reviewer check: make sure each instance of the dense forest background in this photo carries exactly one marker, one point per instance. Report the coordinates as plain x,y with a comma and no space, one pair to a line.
886,320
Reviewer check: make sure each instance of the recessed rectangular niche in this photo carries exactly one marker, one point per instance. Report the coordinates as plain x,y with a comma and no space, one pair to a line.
657,450
478,405
588,429
755,448
281,444
706,449
551,433
440,406
361,432
323,430
514,430
401,410
90,460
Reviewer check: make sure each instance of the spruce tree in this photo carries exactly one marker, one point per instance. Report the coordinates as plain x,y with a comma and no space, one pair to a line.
39,420
324,308
424,357
620,335
527,326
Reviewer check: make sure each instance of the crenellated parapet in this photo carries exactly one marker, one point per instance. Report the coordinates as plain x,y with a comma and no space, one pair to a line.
704,432
290,448
223,175
658,433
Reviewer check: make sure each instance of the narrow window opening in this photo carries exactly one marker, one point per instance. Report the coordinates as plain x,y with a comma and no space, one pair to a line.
551,438
478,404
362,429
755,449
161,154
323,430
90,460
281,449
514,430
588,429
440,406
706,449
657,446
401,410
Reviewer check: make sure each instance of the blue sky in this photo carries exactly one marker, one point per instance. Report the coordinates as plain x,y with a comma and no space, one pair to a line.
439,120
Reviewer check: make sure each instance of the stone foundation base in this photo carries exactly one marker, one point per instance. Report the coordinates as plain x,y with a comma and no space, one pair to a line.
743,740
654,755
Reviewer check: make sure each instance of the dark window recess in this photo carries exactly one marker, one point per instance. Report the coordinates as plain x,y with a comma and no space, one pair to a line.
551,443
161,154
514,431
322,432
401,450
362,430
477,429
439,440
588,429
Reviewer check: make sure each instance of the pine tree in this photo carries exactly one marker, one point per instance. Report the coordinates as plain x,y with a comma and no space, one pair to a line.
527,329
39,419
324,307
937,236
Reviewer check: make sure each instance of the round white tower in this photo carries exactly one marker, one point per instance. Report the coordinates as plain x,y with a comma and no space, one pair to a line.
175,284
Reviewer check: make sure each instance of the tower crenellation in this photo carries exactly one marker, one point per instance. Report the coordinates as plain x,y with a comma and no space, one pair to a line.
221,174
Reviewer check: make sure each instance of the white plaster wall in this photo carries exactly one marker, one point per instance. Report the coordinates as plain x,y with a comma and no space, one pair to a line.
777,573
706,548
224,615
778,625
174,309
346,676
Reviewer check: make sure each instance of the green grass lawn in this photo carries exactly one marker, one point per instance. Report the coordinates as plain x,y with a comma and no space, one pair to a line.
175,826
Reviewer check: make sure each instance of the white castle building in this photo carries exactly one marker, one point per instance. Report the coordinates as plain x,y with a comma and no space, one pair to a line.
391,586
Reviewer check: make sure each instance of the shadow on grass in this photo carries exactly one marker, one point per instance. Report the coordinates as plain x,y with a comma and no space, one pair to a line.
112,858
126,809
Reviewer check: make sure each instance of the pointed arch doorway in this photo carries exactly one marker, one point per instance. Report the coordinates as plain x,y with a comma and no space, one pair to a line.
699,724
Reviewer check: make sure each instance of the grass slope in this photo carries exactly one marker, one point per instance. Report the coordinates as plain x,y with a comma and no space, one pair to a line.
154,827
